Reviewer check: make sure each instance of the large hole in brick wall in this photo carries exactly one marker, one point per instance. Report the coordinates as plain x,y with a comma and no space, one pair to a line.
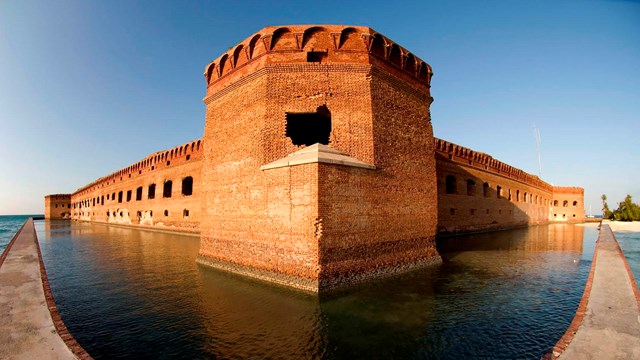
309,128
316,56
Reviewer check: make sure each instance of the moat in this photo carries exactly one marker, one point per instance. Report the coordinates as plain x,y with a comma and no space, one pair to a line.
127,293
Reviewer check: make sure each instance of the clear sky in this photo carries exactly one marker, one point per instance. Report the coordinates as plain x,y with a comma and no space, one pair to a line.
89,87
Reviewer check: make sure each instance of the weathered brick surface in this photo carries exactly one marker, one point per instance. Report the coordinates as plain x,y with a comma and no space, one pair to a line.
319,225
567,205
57,206
99,201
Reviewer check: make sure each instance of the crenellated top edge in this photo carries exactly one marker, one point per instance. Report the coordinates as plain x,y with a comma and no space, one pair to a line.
488,163
324,39
192,148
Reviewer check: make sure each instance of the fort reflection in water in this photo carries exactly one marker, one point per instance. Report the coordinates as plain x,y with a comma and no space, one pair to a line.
131,293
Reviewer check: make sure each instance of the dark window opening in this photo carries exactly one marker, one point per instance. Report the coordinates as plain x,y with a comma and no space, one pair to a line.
473,211
113,196
128,195
575,203
168,163
555,202
485,189
153,167
102,200
309,128
139,193
451,184
151,213
188,157
166,191
139,214
509,194
187,186
452,211
120,196
166,213
471,187
152,191
185,213
565,203
499,192
316,56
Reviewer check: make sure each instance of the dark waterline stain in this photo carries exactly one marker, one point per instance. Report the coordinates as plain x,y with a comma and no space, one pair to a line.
126,293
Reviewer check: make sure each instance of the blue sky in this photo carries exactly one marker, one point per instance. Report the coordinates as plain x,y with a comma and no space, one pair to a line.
88,87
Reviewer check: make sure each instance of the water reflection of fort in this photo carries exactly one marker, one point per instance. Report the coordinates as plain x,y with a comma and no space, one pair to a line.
553,237
147,282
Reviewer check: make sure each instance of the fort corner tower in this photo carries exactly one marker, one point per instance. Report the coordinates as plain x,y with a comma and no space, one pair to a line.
319,168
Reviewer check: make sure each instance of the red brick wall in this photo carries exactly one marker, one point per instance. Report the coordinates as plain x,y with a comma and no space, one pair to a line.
567,205
95,202
57,206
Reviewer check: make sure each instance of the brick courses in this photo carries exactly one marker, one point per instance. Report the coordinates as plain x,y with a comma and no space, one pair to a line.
319,225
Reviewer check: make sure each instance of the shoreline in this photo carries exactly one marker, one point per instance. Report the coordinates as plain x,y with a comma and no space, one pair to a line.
627,226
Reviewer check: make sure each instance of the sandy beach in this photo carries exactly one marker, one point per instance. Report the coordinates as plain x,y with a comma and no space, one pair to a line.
623,225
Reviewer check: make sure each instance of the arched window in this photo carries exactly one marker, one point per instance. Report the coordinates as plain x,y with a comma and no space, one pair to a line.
471,187
187,186
166,191
152,191
451,187
555,202
139,193
120,196
499,191
517,195
565,203
575,203
485,189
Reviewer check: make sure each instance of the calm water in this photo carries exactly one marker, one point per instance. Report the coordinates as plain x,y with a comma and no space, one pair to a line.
630,244
128,293
9,225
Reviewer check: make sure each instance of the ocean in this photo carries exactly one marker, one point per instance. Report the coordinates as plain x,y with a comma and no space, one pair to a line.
630,244
9,225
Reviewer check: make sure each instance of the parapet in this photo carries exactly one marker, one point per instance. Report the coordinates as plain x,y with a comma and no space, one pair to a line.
568,190
486,162
157,160
314,44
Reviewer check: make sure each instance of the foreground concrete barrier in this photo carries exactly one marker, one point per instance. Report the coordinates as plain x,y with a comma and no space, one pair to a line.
607,322
31,327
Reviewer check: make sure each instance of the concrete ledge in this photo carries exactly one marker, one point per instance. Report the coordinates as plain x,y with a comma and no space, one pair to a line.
607,322
31,326
317,153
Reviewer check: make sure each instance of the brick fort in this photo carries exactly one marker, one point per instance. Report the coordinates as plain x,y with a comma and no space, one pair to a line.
318,168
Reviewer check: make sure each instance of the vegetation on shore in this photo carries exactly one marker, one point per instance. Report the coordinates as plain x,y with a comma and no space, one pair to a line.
627,210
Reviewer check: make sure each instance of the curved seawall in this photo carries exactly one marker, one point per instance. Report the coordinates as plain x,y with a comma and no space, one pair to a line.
32,327
607,322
